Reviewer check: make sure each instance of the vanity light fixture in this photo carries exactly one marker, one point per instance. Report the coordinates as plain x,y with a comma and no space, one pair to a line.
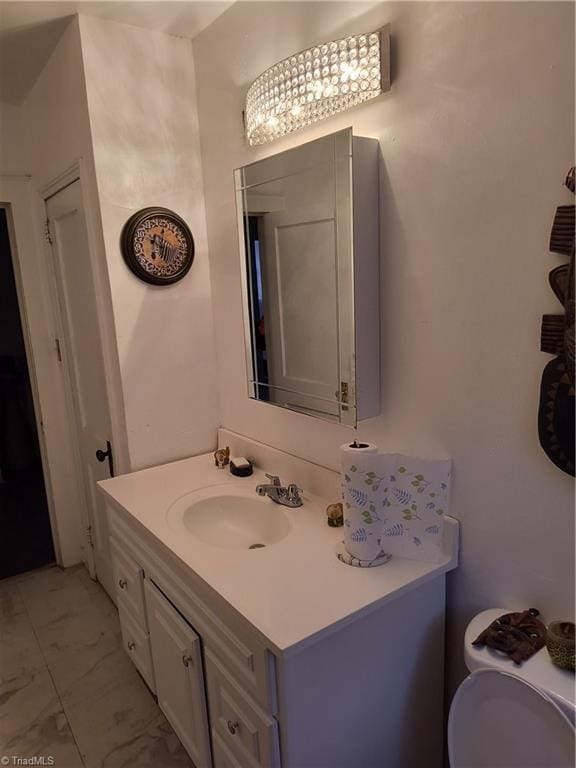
317,83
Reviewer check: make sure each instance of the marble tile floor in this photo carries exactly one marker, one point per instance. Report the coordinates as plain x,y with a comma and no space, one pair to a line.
67,689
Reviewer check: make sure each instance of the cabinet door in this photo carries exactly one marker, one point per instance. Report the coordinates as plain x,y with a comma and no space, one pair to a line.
177,659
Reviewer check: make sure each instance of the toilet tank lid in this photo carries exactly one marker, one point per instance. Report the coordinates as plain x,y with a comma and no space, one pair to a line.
538,670
498,719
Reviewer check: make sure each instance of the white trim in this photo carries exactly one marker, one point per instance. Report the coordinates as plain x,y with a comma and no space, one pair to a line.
70,175
106,323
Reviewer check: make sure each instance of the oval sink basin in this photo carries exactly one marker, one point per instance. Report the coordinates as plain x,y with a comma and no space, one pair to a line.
230,517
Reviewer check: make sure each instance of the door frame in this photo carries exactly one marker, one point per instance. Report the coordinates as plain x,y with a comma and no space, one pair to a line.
42,326
30,275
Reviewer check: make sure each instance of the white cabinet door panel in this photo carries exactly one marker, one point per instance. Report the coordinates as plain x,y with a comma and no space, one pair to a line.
177,657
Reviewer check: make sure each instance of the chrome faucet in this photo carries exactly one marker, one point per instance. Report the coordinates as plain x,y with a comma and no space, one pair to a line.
288,497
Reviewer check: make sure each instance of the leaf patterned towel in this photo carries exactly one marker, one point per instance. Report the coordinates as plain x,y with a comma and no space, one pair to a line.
394,504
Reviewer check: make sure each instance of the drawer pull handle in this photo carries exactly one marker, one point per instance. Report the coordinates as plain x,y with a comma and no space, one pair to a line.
187,660
122,583
233,727
131,645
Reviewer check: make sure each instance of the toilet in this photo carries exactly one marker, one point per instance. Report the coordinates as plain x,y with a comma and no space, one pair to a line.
509,716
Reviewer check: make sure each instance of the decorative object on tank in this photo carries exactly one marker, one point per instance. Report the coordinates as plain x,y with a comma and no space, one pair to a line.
560,644
335,515
222,457
317,83
157,245
519,635
556,412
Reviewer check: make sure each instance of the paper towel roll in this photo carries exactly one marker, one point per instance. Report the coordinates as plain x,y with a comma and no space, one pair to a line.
356,447
394,503
362,523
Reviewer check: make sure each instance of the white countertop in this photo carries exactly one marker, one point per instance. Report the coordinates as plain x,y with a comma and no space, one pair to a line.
290,591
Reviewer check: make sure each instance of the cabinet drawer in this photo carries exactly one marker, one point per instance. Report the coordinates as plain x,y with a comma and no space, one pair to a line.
129,578
249,733
137,645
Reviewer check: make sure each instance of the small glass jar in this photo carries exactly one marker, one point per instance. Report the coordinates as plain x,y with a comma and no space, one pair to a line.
335,515
560,643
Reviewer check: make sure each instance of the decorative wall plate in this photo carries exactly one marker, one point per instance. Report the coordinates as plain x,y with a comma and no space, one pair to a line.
157,246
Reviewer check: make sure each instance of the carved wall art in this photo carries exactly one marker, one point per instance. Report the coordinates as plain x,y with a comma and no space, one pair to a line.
556,412
519,635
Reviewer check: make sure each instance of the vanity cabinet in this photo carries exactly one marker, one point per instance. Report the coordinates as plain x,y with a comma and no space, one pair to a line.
215,682
366,693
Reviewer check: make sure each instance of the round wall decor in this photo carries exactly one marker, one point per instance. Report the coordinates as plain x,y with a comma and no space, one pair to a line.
157,245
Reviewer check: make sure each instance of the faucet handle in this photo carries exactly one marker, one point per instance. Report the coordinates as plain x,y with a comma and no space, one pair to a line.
274,478
293,492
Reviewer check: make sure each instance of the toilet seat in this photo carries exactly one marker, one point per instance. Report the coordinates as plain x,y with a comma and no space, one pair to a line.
498,720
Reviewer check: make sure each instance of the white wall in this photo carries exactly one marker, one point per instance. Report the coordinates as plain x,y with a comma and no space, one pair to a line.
12,151
55,114
142,104
476,137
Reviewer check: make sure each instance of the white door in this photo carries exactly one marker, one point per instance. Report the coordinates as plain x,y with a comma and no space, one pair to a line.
82,355
177,661
301,308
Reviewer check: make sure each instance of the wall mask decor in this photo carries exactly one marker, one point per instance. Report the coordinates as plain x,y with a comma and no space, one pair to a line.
556,412
157,245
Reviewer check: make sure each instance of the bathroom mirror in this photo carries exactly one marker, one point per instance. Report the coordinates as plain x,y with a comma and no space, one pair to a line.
308,227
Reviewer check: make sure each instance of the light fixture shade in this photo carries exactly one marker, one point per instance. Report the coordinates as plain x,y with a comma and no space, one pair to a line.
317,83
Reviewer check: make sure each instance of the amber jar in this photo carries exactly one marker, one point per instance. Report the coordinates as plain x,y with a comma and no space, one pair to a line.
560,643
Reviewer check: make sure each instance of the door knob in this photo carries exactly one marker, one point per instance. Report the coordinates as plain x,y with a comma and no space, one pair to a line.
107,454
187,660
233,726
131,645
122,583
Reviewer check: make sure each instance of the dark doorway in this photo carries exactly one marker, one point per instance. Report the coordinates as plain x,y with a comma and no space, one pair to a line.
25,534
254,258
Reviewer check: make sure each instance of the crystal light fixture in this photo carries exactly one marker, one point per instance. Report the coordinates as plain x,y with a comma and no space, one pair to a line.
317,83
